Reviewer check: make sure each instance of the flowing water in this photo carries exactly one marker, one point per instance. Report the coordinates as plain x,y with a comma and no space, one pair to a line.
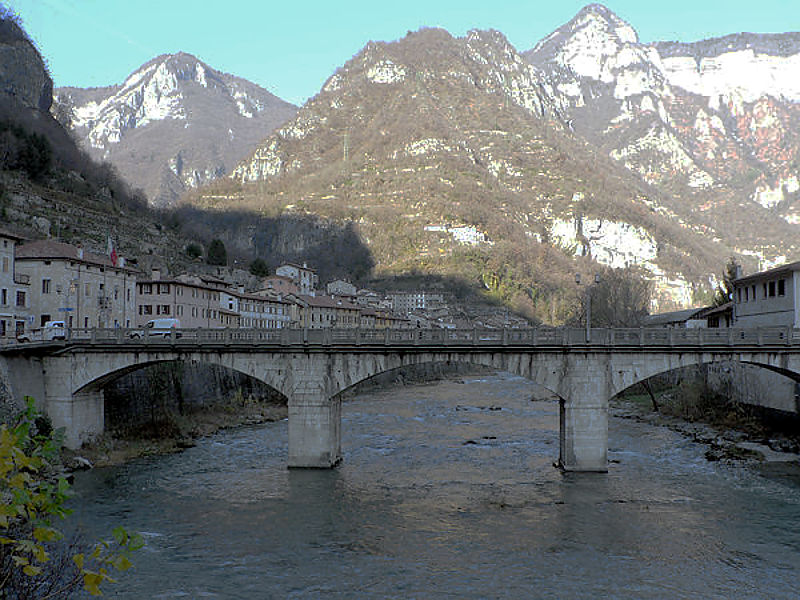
448,490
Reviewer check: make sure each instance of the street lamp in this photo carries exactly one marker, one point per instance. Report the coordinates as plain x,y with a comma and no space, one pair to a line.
588,305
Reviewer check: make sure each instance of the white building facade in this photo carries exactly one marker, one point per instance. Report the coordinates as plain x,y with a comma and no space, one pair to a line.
14,289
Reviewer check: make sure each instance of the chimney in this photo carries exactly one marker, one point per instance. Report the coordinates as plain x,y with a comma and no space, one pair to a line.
80,252
156,275
121,262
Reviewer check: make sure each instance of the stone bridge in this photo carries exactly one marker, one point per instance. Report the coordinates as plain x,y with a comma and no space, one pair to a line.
312,367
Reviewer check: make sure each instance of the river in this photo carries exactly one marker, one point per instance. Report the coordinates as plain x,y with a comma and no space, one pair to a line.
448,490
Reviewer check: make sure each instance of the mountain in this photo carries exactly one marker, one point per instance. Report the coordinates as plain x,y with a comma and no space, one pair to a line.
456,156
711,124
175,123
50,188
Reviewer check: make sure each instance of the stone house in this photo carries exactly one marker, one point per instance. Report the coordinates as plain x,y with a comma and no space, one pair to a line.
340,287
302,275
79,287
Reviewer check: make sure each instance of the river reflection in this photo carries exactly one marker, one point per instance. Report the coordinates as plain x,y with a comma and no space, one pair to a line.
447,490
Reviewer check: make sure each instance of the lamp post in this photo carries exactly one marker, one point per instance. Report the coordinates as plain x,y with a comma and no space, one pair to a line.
588,305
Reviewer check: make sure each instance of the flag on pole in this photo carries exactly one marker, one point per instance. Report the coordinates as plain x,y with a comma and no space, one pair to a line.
112,252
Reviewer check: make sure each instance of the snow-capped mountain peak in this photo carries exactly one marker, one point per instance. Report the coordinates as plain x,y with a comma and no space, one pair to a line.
179,94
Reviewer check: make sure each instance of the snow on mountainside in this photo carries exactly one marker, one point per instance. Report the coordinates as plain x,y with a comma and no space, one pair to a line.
713,123
174,123
747,66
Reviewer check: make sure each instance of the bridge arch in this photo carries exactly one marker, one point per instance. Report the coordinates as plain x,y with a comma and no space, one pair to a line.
465,360
654,365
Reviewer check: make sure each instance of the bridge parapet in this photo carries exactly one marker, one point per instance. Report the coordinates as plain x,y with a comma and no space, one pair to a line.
600,338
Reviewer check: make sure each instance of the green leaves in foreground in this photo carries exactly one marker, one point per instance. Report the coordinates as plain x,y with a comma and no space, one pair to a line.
32,497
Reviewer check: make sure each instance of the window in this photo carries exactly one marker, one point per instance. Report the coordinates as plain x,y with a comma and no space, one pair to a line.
739,295
165,309
4,297
21,299
2,328
128,294
746,294
87,289
163,288
116,292
5,264
771,289
45,286
148,309
781,287
147,288
86,322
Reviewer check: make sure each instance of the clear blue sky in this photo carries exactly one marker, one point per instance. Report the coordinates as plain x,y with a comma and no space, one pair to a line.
291,48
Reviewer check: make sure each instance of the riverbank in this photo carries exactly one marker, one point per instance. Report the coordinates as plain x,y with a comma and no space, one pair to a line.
177,433
731,432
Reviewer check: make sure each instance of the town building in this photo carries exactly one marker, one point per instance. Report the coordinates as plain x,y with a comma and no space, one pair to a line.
319,312
340,287
302,275
14,288
281,285
81,288
768,298
373,318
689,318
194,300
405,302
257,311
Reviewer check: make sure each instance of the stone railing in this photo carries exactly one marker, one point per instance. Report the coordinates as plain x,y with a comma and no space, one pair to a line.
537,337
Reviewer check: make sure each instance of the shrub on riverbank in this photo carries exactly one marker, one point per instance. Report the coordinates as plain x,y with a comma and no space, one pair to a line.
35,559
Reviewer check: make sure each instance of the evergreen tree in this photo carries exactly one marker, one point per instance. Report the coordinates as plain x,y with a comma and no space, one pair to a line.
217,254
259,268
724,291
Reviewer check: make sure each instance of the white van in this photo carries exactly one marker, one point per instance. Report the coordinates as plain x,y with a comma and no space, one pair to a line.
158,328
52,330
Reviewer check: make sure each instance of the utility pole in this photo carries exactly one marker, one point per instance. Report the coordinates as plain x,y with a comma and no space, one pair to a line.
588,305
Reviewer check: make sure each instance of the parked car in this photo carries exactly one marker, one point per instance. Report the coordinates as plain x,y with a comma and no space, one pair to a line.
52,330
158,328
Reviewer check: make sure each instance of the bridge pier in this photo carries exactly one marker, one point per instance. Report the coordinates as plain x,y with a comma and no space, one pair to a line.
583,437
315,430
82,415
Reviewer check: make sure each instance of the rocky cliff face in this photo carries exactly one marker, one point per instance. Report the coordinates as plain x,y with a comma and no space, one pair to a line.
711,123
175,123
23,76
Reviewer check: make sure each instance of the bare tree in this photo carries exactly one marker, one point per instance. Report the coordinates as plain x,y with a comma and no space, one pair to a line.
620,298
